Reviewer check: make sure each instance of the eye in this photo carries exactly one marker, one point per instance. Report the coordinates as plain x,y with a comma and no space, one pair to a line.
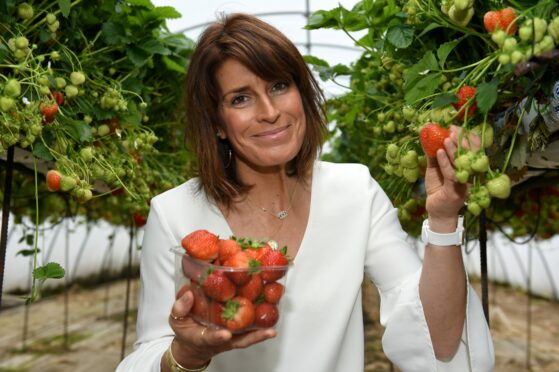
280,86
239,100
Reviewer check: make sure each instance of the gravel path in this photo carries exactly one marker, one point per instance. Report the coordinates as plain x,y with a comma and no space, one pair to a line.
95,328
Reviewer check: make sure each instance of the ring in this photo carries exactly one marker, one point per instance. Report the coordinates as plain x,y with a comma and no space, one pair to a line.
179,318
203,331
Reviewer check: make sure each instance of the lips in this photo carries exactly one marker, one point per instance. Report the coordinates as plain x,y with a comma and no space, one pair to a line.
272,133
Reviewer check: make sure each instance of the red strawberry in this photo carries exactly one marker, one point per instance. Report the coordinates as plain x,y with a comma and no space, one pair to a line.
252,288
507,17
266,315
465,96
273,292
227,248
238,314
432,137
49,112
201,244
241,260
491,20
139,219
53,180
274,258
58,97
215,312
258,252
217,286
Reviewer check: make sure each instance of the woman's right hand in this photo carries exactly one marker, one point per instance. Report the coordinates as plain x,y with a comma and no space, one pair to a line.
194,344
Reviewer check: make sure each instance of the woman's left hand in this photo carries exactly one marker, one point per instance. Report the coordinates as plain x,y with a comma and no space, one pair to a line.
445,195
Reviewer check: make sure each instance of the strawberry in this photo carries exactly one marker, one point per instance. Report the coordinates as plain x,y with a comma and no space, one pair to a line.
271,259
201,244
238,314
241,260
465,96
53,180
58,97
252,288
507,17
491,21
273,292
227,248
215,313
259,252
139,219
432,138
266,315
218,286
200,305
49,111
499,186
68,183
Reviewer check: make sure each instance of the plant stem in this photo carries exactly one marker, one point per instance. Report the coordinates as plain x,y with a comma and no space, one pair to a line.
511,148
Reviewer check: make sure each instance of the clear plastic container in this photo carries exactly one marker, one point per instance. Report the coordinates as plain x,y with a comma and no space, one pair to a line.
239,299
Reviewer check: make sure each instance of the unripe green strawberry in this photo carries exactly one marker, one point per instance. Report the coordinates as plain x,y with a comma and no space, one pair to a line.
44,90
464,162
409,160
392,150
510,44
43,80
53,27
51,18
474,208
398,170
21,42
7,104
381,116
408,112
499,37
21,54
461,4
77,77
103,130
487,137
71,91
410,174
86,154
36,129
504,58
462,176
516,57
553,29
87,119
499,187
389,127
12,88
25,11
54,55
60,82
484,201
480,163
377,131
404,215
389,169
67,183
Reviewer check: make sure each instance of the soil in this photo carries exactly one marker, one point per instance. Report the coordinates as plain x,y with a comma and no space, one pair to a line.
94,331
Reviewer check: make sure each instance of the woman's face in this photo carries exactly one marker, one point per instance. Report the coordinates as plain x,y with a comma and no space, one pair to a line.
264,120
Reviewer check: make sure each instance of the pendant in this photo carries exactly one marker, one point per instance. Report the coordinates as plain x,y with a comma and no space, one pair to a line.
282,214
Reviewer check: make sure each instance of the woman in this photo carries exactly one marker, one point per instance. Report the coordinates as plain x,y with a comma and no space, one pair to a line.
255,123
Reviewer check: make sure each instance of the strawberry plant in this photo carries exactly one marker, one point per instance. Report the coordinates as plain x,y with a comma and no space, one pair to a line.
90,90
491,68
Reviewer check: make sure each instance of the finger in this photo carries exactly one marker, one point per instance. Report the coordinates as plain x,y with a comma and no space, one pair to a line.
214,337
445,165
181,307
247,339
450,147
470,141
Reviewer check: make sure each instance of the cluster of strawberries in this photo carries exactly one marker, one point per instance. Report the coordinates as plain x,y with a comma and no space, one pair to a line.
235,281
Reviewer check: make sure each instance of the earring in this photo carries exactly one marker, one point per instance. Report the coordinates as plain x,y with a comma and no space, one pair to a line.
230,157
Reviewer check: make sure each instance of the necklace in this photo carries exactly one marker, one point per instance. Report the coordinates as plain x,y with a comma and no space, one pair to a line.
283,214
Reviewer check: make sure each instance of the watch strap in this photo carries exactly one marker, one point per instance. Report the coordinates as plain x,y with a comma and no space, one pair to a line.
448,239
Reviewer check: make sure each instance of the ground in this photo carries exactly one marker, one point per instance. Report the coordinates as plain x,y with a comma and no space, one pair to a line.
95,331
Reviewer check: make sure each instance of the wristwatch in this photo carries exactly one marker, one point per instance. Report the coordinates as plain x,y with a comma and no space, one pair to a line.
450,239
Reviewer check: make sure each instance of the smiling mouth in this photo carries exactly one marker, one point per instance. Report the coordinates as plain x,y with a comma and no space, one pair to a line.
272,133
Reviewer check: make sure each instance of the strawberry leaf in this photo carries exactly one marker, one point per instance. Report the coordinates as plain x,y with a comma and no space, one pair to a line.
486,95
423,88
52,270
64,6
401,36
444,99
445,49
40,151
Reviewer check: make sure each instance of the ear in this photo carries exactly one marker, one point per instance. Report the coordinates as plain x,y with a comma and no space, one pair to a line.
221,134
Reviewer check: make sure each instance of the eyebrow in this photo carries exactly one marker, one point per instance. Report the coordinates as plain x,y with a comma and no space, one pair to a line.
235,90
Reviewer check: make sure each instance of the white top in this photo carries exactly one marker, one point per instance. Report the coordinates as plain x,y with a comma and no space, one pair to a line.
352,229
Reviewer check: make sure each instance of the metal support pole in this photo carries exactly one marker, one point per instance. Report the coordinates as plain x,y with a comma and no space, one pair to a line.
483,261
6,215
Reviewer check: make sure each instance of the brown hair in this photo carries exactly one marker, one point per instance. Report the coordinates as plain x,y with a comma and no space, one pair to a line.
270,55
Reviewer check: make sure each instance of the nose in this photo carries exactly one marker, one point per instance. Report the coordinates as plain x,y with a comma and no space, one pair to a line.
267,110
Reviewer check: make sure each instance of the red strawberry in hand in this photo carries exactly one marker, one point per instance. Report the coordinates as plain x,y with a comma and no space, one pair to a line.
241,260
274,258
217,286
238,313
266,315
53,180
227,248
201,244
432,137
252,288
465,96
273,292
